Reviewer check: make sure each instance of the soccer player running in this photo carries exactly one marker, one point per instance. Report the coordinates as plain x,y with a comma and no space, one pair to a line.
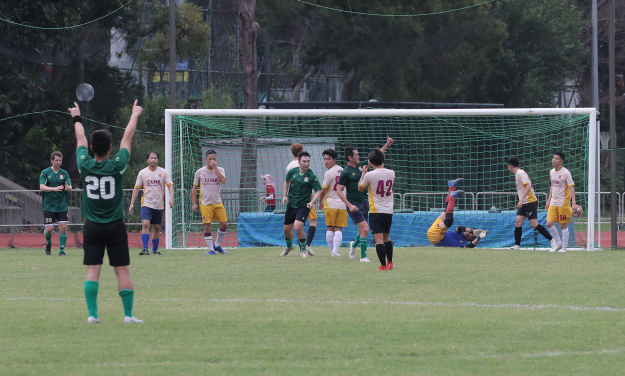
55,184
312,217
379,182
333,208
527,207
356,201
210,178
558,204
102,206
298,186
462,236
152,179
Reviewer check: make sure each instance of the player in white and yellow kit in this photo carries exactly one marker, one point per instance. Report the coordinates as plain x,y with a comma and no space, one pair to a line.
334,210
210,178
379,183
558,204
312,216
527,207
152,179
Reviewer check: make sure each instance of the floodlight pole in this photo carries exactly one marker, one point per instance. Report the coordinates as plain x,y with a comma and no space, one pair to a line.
172,53
594,102
612,88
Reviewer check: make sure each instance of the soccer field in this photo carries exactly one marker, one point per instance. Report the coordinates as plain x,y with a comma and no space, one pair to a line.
441,311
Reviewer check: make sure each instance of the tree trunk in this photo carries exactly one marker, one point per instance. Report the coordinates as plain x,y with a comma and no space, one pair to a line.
249,178
295,92
79,50
58,61
349,86
16,142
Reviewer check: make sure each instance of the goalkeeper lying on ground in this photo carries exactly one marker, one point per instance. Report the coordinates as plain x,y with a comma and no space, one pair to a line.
461,237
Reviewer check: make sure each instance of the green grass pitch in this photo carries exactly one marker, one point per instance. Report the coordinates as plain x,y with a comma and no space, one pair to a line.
441,311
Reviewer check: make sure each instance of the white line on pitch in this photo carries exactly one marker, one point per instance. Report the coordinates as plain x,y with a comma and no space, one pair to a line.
555,353
413,303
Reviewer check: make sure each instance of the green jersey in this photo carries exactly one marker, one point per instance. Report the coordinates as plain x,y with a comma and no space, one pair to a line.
301,187
350,178
102,197
54,201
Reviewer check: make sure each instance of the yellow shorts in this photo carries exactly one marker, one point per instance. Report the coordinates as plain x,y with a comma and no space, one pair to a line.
435,233
313,213
560,214
335,217
215,211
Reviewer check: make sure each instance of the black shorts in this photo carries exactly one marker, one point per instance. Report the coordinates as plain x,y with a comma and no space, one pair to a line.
362,215
50,217
529,210
380,223
113,236
296,214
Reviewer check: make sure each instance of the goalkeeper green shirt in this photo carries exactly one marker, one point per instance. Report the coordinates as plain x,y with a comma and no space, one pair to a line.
102,197
301,187
350,178
54,201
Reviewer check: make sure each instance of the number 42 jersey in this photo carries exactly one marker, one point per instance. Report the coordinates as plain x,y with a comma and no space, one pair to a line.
102,196
379,182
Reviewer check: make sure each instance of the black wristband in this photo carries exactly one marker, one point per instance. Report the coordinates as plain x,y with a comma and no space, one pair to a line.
77,119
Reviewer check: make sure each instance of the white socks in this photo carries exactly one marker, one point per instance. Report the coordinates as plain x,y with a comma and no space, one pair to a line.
338,239
565,238
330,239
208,238
220,237
554,232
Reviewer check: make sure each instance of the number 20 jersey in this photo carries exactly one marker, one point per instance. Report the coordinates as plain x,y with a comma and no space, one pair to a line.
379,182
102,196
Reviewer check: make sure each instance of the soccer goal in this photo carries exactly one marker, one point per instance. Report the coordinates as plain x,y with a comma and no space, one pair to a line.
430,148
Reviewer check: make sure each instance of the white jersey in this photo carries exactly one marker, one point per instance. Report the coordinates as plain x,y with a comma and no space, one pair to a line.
379,182
292,165
153,183
560,183
210,186
522,179
330,183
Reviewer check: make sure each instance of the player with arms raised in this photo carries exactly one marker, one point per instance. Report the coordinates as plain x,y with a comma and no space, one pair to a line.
462,236
153,180
312,217
210,178
102,206
527,205
379,182
298,186
333,208
559,202
356,201
55,184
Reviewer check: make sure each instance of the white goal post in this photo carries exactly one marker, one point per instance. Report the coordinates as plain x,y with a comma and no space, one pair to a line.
593,141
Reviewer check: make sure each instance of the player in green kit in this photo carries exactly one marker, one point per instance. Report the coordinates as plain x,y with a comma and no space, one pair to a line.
298,184
55,184
102,207
357,202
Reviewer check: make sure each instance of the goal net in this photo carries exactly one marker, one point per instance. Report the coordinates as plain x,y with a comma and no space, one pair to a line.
430,148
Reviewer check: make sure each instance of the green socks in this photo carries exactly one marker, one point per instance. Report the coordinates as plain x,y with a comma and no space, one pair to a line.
128,297
363,249
289,243
302,244
63,240
48,237
357,241
91,296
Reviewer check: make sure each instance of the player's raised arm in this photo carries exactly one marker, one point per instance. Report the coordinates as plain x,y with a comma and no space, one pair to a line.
362,185
389,142
81,139
131,127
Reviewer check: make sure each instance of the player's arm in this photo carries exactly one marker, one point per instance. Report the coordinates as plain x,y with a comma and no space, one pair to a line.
81,139
135,193
526,190
389,142
317,196
170,187
548,199
572,192
131,127
361,186
194,198
285,189
220,176
68,185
